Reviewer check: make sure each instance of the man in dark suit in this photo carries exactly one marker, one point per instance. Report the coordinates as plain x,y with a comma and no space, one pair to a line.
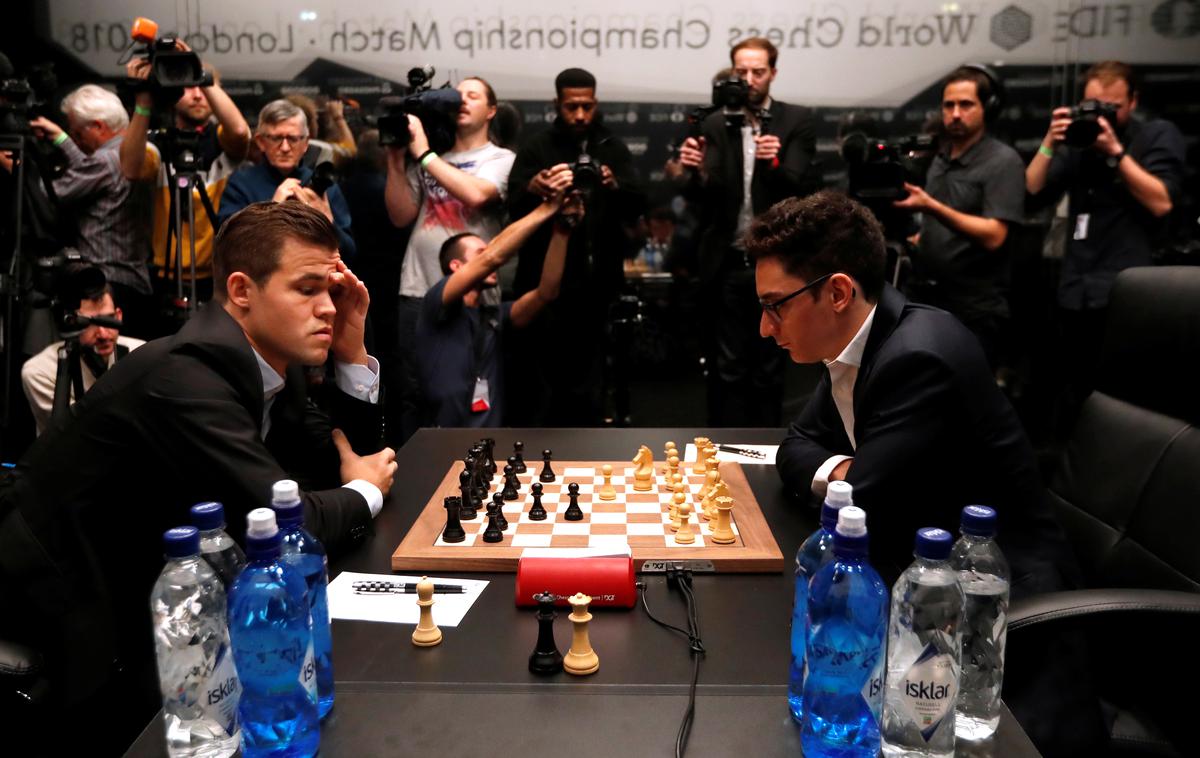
768,148
219,412
908,412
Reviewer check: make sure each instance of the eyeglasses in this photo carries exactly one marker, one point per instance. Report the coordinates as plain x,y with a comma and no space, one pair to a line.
772,309
275,140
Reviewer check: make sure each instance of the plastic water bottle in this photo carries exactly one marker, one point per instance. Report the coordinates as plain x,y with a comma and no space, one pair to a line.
303,551
195,666
924,653
847,612
814,553
271,632
984,576
217,547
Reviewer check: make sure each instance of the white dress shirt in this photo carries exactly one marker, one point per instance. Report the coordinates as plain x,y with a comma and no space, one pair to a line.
358,381
843,373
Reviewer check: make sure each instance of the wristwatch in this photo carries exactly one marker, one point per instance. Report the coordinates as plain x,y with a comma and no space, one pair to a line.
1115,160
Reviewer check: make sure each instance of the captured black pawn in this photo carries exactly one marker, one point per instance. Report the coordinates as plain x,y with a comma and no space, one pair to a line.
466,508
545,659
510,483
536,511
574,513
492,533
498,501
453,531
519,454
547,474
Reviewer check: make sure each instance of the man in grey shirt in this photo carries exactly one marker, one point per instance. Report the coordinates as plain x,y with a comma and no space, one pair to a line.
974,189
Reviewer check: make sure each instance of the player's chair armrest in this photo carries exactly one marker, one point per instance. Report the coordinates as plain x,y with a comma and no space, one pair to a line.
1057,606
22,680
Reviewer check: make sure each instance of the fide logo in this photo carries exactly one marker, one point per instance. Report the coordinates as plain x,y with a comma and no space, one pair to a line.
1176,19
1011,28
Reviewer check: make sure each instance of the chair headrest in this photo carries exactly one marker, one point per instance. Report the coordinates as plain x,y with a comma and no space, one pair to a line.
1151,350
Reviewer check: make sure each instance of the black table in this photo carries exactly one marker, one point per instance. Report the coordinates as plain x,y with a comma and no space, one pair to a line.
473,694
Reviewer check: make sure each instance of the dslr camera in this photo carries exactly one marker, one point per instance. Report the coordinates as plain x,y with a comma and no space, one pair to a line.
171,70
323,177
1085,124
585,171
729,95
437,110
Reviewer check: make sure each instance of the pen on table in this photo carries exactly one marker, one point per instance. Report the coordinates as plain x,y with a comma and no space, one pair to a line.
741,451
403,588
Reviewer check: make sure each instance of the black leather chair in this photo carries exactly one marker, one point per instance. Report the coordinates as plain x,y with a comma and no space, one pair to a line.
1127,492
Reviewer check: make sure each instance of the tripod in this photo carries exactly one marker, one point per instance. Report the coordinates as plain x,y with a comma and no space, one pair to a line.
69,375
181,161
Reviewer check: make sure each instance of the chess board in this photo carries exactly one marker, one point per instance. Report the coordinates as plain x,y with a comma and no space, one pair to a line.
637,519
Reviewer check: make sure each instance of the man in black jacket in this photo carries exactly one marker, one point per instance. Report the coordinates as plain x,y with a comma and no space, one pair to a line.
565,391
218,412
742,166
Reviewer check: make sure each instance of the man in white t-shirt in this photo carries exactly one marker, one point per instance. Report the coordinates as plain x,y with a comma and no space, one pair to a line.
461,191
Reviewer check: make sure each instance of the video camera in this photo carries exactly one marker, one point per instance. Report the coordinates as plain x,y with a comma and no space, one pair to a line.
171,70
878,169
21,98
437,110
1085,122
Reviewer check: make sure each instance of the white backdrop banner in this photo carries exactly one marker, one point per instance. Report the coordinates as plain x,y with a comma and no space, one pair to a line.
835,54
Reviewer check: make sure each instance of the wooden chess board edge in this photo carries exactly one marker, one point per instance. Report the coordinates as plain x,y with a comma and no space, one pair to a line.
758,552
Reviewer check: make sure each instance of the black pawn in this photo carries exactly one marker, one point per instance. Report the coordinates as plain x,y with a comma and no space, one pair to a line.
510,484
489,451
466,499
498,501
492,533
574,513
547,474
453,531
546,659
537,512
519,454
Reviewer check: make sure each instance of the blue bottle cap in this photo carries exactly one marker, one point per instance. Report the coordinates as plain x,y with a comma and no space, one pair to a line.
207,516
933,543
181,542
978,521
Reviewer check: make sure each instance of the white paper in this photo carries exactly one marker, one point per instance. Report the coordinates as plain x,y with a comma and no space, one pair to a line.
689,453
448,608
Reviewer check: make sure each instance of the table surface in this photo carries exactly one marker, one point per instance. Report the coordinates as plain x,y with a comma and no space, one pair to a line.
473,694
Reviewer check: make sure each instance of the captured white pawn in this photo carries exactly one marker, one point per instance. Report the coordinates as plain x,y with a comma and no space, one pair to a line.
607,491
426,634
580,660
684,534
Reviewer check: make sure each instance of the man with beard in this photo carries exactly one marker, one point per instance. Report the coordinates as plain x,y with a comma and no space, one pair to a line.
742,166
973,191
576,151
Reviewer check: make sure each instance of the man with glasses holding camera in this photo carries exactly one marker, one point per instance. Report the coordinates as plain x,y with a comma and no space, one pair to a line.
282,137
1123,175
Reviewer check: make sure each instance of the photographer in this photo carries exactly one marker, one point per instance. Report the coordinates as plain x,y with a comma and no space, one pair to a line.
742,164
221,139
973,191
1123,174
461,191
576,151
460,336
101,347
282,137
109,229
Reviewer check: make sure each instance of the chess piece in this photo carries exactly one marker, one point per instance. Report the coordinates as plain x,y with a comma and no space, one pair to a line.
684,534
467,511
510,483
453,531
672,465
668,451
547,474
580,660
706,505
643,473
607,491
574,512
426,634
519,453
492,533
537,512
701,465
501,521
545,659
677,501
722,533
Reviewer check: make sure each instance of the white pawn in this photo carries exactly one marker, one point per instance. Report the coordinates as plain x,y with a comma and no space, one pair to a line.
426,634
607,491
684,535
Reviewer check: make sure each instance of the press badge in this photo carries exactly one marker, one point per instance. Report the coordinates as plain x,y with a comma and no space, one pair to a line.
1081,225
480,400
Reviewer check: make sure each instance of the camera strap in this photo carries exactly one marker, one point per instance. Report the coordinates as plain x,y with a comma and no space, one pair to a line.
488,322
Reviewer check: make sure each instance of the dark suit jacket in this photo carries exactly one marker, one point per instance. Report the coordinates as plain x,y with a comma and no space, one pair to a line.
162,430
934,434
722,186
